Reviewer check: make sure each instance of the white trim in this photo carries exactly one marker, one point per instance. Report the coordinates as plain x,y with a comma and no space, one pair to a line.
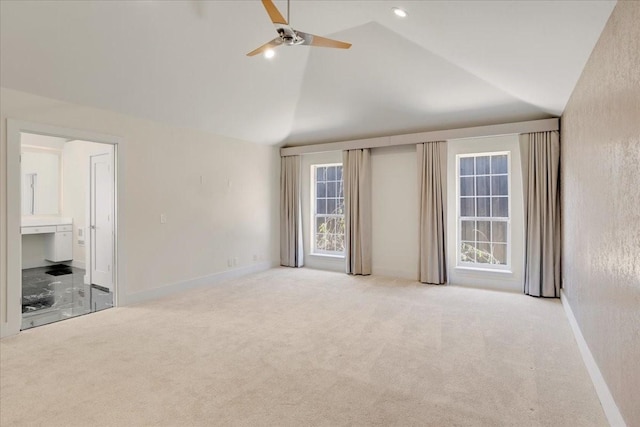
313,199
416,138
507,268
198,282
11,325
78,264
606,398
340,256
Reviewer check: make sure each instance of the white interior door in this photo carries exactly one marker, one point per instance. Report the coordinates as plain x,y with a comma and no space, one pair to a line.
101,220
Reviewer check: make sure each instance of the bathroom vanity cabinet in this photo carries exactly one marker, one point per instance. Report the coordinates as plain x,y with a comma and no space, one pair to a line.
58,236
60,246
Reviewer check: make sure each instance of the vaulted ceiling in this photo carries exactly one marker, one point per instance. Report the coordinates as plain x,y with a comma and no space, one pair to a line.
448,64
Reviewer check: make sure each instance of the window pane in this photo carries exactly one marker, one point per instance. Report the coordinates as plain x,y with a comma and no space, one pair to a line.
332,189
331,206
484,231
500,207
466,166
321,189
340,241
340,189
321,241
484,206
321,226
500,253
331,173
340,206
484,194
500,185
499,231
466,186
482,165
467,252
320,174
339,176
330,243
321,206
499,164
467,231
482,186
467,206
335,225
483,254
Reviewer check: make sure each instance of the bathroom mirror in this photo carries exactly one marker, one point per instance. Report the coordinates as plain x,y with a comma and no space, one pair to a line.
40,182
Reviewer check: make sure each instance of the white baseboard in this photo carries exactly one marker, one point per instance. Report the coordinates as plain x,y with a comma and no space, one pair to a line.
611,410
193,283
396,274
78,264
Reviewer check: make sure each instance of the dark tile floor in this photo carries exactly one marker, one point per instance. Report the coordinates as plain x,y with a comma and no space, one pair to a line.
47,298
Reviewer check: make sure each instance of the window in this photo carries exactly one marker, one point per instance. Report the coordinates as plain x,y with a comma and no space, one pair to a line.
327,209
484,210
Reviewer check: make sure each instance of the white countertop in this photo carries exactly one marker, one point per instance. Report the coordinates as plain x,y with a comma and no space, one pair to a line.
41,221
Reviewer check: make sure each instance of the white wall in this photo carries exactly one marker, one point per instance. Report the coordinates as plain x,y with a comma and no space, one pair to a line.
45,164
75,190
42,141
220,196
394,200
511,280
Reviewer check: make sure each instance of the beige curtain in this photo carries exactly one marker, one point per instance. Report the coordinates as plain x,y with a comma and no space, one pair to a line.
540,175
357,201
291,252
432,171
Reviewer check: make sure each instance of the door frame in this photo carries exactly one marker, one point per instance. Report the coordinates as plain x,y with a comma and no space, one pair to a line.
14,216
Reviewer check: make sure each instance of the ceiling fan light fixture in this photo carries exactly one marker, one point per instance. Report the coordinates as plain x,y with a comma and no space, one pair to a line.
399,12
269,53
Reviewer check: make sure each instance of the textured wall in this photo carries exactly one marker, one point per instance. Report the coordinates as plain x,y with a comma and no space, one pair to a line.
601,205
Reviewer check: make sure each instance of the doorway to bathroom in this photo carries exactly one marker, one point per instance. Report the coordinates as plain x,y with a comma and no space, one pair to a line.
67,228
67,244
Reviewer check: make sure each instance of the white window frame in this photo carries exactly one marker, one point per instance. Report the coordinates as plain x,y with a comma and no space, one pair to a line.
312,228
459,218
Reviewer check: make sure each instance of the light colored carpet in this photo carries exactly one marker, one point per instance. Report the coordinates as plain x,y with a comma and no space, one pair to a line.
304,347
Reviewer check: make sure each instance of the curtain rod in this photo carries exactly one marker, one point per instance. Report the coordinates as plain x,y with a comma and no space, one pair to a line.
416,138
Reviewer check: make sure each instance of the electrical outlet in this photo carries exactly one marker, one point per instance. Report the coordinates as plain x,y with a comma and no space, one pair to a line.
163,218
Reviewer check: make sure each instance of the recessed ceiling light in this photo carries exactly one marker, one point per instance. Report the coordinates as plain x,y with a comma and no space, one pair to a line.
399,12
269,53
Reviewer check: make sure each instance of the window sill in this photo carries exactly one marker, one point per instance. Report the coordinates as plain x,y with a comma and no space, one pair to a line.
482,270
327,255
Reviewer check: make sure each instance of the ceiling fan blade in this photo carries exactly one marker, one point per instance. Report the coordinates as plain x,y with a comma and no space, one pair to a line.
313,40
274,13
272,44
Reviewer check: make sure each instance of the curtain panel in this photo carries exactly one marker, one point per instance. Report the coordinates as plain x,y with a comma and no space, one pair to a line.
540,153
291,249
432,182
357,201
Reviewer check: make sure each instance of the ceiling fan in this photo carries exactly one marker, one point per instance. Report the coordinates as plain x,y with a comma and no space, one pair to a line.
290,37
